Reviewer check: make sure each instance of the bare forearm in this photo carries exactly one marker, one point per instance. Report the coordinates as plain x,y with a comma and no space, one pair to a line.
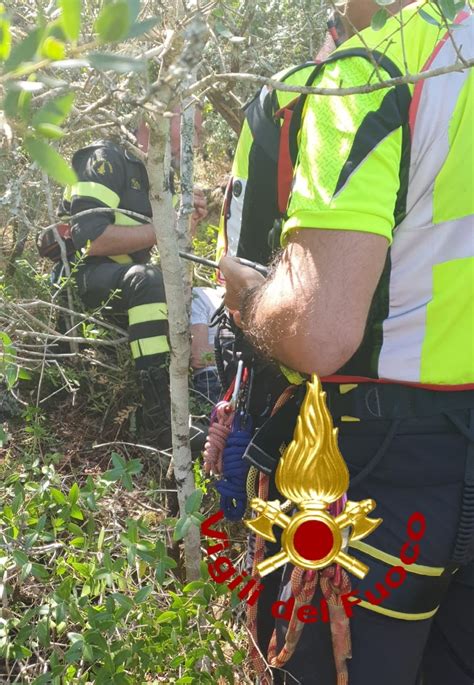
283,328
312,311
117,240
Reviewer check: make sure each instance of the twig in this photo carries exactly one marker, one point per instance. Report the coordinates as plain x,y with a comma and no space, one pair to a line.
58,337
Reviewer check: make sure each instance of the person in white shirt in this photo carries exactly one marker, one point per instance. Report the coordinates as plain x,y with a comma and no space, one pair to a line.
205,377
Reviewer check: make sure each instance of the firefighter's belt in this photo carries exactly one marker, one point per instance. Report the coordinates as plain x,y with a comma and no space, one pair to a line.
373,401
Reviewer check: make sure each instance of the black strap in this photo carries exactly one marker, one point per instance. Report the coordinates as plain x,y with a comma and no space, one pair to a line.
376,58
375,401
378,456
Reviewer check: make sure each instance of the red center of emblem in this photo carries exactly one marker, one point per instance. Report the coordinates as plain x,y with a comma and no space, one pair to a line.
313,540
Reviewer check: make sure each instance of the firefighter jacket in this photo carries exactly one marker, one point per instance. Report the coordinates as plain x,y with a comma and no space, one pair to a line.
109,177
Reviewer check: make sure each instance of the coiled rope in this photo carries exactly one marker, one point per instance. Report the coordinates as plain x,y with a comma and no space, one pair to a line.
232,486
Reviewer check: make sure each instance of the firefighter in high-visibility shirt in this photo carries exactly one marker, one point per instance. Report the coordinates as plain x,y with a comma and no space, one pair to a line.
374,292
114,269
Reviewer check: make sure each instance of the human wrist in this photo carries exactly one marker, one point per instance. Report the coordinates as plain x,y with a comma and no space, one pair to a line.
151,234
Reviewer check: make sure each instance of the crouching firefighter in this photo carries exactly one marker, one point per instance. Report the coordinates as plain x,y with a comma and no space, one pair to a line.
114,269
373,293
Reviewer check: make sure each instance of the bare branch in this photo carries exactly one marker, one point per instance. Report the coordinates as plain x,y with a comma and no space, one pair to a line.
340,92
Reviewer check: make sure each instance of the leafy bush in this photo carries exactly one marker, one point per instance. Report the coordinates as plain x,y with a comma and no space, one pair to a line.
88,590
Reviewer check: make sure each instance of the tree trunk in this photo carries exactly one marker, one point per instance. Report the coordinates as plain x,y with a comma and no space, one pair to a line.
164,218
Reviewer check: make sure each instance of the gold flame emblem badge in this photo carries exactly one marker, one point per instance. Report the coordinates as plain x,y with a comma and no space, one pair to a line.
312,474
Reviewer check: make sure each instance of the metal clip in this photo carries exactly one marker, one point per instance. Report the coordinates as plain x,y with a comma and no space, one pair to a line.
238,380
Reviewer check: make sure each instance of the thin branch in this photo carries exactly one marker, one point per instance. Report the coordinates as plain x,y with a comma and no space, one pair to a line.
340,92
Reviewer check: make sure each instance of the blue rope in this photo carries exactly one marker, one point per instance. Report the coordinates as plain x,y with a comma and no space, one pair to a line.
233,485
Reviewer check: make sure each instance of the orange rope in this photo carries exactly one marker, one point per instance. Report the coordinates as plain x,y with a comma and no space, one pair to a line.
217,436
334,583
303,587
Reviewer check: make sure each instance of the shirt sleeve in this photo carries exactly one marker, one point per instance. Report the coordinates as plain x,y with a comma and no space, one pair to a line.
350,147
101,176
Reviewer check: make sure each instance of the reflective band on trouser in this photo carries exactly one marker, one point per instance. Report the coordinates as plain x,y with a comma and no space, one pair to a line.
148,326
96,191
147,347
428,336
415,597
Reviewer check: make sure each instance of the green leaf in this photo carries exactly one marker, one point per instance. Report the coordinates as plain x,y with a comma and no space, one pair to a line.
428,18
39,571
162,567
50,131
52,48
74,528
76,513
73,494
448,8
118,461
124,601
24,375
100,539
123,64
20,558
127,482
134,466
25,50
193,502
194,585
58,496
166,617
238,657
71,18
11,375
379,19
143,594
5,35
112,475
142,27
113,22
50,161
182,528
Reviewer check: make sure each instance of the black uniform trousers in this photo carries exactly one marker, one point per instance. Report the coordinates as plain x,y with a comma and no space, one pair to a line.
420,467
135,291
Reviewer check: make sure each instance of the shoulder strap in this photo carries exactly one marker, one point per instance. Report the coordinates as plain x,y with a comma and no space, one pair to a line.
375,57
288,152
